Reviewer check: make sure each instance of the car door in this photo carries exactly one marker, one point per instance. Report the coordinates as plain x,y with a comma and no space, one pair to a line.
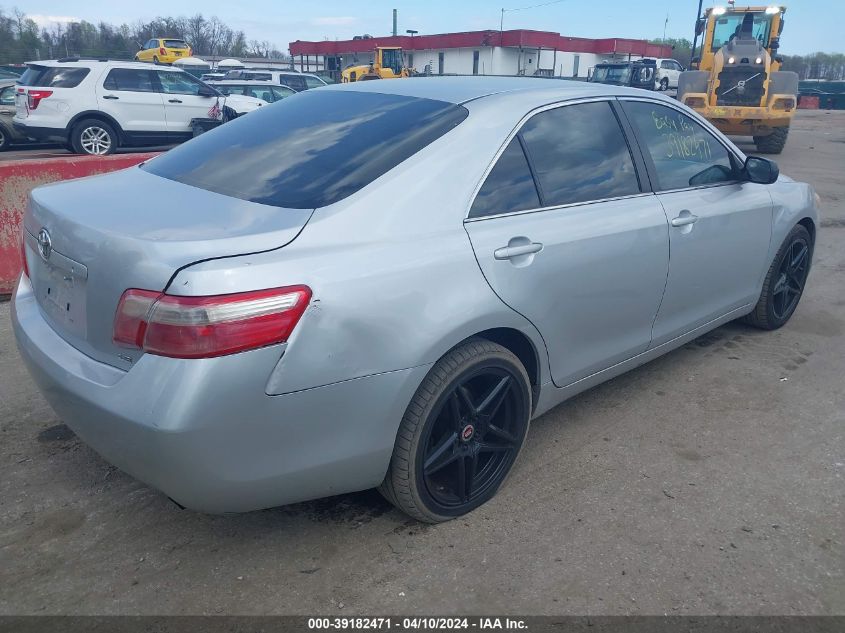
182,101
568,235
130,96
674,73
720,225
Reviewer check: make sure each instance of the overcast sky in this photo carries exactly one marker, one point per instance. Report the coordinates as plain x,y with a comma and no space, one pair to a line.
811,25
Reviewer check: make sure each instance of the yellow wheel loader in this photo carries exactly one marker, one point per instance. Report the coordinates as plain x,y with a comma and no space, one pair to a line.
737,83
388,63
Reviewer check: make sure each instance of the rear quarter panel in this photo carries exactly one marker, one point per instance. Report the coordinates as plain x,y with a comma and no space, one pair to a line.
394,276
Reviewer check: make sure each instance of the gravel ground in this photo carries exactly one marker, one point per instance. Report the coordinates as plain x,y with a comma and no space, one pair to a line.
708,481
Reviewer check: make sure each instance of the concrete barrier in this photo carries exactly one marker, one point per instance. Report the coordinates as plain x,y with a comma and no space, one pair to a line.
18,178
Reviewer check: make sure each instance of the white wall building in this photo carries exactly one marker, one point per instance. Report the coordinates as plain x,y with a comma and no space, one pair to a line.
517,52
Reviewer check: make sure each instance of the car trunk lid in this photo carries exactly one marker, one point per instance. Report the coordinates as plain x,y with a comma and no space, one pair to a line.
93,238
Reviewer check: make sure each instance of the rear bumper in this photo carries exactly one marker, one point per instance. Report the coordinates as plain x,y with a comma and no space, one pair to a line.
41,134
205,433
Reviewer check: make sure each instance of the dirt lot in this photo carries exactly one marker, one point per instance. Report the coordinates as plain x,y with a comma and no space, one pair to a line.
708,481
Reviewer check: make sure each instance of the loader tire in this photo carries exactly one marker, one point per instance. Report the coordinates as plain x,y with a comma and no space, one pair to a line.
772,143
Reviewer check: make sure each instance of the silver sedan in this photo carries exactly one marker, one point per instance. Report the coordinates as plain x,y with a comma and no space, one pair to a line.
382,283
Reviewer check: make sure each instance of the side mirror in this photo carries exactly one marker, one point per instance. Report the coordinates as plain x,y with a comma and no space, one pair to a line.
207,91
761,170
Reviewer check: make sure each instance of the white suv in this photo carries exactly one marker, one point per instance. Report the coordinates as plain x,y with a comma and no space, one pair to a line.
668,72
96,106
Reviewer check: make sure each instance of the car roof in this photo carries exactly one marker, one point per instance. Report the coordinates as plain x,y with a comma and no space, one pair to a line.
94,63
462,89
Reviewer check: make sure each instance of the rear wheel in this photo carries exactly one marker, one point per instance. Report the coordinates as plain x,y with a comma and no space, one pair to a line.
155,59
93,137
4,139
664,84
784,283
772,143
461,433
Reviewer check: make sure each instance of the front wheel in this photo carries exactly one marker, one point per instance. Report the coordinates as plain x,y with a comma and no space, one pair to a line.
93,137
784,283
772,143
461,433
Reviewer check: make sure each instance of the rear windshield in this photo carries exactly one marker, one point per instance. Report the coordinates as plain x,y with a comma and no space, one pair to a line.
53,76
175,44
309,150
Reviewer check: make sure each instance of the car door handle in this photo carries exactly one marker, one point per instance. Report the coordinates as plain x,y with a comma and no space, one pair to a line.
174,101
509,252
110,97
684,219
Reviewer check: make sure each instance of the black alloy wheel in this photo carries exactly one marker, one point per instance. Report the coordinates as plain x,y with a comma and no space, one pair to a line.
785,281
461,433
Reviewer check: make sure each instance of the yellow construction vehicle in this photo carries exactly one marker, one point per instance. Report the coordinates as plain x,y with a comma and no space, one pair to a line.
388,63
737,83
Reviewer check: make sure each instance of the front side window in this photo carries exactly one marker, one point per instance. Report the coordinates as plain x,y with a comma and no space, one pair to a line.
683,152
579,154
130,79
310,151
280,92
313,82
179,83
508,187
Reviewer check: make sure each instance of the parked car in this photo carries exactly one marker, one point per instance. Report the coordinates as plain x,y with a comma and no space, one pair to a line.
95,106
290,78
668,73
382,283
212,76
258,89
8,134
635,74
163,50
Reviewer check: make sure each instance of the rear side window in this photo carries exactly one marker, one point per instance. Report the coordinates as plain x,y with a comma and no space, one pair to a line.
509,186
53,76
130,79
313,82
684,154
292,81
311,150
579,154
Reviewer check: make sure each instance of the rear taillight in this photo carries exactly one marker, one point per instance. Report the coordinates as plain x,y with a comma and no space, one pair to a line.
24,265
34,97
204,327
162,51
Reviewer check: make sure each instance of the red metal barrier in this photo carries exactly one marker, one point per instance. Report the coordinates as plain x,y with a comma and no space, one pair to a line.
18,178
808,102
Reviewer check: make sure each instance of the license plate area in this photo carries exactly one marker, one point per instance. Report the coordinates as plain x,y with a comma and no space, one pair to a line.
60,287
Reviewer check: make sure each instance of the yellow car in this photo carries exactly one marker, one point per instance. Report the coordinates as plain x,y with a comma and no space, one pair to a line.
163,50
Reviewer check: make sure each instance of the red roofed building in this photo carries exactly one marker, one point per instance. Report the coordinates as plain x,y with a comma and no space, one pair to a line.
516,52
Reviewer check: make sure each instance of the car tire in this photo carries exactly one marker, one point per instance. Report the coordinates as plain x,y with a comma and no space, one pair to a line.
155,60
461,433
772,143
785,281
4,139
93,137
664,84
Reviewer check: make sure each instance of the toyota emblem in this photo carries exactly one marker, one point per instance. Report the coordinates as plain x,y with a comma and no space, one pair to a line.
45,244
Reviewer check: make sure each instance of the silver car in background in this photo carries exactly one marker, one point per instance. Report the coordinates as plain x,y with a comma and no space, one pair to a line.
381,283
